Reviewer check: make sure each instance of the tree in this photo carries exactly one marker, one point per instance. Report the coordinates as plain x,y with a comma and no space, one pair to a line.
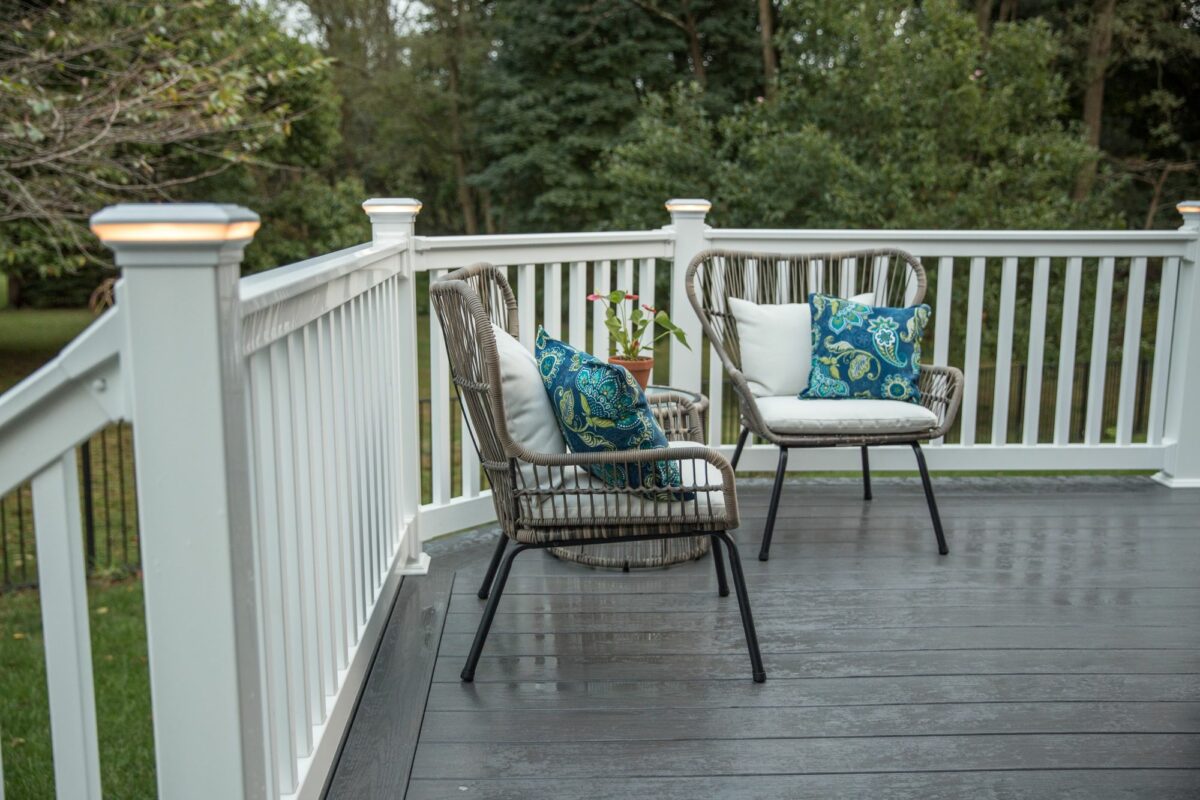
109,101
412,75
942,131
1099,47
568,80
1131,69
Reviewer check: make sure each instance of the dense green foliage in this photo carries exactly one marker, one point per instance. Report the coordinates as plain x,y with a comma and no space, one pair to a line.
886,117
512,115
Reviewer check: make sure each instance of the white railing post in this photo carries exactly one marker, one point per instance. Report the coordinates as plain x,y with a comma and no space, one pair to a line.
179,297
1181,467
687,221
394,219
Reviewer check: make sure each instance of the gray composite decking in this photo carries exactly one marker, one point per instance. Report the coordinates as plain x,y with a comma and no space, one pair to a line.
1054,653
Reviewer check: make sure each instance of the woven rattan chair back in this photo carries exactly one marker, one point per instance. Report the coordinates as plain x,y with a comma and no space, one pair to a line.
468,302
891,277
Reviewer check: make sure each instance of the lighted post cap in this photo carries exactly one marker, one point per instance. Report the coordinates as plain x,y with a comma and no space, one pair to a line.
392,205
1190,211
174,223
693,205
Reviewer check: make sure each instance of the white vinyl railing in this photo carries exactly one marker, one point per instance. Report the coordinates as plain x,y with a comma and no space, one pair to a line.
279,433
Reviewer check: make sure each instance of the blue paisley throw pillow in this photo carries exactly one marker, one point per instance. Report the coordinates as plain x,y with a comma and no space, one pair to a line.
865,351
600,408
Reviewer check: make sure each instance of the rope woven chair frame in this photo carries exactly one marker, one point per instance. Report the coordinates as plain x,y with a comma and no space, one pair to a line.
892,277
546,500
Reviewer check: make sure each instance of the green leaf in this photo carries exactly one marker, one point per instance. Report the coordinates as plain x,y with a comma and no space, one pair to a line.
616,296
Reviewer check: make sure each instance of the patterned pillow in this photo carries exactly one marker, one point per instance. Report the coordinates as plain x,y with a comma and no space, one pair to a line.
601,408
865,351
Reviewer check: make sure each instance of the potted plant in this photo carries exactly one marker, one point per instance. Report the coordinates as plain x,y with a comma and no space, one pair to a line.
627,324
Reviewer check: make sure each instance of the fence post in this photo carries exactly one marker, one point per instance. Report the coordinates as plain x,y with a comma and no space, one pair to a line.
687,221
183,358
1181,466
394,219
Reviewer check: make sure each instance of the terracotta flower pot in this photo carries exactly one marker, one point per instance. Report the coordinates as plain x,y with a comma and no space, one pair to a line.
640,368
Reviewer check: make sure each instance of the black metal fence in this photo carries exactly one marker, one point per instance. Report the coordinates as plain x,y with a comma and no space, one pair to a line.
108,510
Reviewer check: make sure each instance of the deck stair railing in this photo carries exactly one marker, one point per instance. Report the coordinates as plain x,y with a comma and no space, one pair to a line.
277,428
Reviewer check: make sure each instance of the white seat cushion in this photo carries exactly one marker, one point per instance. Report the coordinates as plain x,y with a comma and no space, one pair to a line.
775,341
531,420
844,416
583,507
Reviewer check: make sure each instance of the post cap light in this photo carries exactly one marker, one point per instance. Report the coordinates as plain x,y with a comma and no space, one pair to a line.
694,205
174,223
392,205
1188,207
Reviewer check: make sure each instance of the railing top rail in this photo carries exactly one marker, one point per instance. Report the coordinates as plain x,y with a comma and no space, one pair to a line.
266,289
438,252
73,395
1085,243
886,234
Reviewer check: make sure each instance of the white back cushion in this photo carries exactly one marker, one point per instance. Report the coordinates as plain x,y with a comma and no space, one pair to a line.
531,420
776,344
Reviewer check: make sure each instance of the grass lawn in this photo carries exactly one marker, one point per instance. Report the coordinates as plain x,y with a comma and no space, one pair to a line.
122,694
30,337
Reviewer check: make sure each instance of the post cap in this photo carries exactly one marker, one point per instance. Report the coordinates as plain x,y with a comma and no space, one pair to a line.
392,205
1190,211
693,205
174,223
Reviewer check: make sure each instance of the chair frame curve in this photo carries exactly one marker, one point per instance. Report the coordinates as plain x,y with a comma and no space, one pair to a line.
537,507
890,275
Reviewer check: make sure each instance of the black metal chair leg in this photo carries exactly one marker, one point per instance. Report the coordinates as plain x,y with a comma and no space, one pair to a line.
933,509
764,551
486,586
719,563
489,613
739,585
737,453
866,474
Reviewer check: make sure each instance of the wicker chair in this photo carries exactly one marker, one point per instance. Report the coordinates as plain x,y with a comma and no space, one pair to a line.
892,277
552,499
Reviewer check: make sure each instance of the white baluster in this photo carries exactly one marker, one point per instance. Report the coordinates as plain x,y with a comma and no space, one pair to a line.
62,585
1037,347
974,334
552,299
577,305
1099,366
601,284
1130,346
1168,287
1004,339
1066,352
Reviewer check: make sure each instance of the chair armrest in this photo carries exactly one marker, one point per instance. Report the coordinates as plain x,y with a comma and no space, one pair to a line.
568,475
676,414
941,393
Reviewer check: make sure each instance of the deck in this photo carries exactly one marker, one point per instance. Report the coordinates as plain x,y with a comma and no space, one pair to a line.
1054,652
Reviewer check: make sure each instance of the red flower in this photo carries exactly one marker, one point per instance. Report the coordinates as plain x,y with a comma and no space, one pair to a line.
594,297
651,309
631,297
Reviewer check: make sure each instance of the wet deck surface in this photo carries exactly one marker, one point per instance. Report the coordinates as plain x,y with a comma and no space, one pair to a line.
1054,653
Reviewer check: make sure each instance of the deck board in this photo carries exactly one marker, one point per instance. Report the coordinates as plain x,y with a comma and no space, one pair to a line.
1054,652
